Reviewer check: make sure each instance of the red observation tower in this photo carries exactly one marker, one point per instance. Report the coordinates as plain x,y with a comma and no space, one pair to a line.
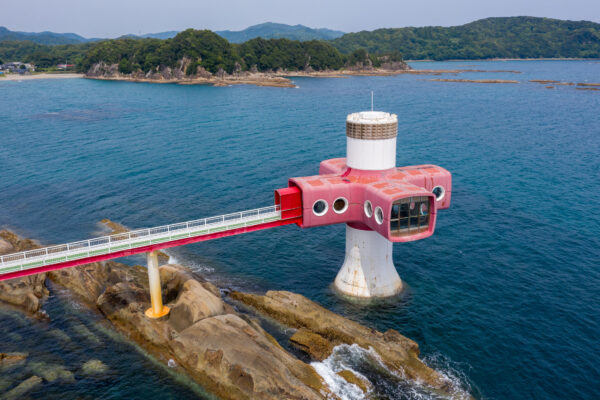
379,203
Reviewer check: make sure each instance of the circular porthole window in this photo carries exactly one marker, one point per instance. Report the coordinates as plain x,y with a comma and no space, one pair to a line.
368,209
320,207
379,215
340,205
439,192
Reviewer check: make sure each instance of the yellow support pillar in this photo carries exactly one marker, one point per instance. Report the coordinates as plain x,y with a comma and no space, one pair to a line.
157,310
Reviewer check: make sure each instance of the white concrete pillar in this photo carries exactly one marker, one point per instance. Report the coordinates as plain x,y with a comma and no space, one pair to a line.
157,310
368,270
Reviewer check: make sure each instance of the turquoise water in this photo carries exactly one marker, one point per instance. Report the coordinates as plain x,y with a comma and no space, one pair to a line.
504,297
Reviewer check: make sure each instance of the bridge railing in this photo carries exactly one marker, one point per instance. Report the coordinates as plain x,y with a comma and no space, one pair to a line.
136,238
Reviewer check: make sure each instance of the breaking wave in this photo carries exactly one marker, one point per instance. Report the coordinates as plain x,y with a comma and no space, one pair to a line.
382,382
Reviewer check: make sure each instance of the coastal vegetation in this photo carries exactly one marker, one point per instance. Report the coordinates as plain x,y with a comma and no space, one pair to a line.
510,37
43,56
204,50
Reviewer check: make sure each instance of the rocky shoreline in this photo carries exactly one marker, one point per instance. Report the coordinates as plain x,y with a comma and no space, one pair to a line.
279,78
207,336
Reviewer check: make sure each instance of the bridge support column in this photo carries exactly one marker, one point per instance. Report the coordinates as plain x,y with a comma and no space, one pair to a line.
368,269
157,310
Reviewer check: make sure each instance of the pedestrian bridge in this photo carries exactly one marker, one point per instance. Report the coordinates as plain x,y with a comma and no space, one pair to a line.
138,241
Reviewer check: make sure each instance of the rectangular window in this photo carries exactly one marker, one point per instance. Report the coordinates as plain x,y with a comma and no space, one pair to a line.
410,216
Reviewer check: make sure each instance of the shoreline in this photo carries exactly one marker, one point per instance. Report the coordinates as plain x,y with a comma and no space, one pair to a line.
43,75
282,79
504,59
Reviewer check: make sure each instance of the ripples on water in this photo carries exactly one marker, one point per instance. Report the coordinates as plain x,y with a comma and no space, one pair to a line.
503,298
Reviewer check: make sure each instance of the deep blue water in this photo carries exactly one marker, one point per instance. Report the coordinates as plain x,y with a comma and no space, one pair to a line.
505,296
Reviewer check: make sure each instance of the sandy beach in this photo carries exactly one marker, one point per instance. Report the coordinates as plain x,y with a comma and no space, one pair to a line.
17,77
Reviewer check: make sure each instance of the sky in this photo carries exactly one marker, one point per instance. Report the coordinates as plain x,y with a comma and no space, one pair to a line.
113,18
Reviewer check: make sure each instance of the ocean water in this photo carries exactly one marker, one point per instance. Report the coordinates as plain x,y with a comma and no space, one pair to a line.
504,298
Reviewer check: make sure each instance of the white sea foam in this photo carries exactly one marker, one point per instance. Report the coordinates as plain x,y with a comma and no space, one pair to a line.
339,360
392,384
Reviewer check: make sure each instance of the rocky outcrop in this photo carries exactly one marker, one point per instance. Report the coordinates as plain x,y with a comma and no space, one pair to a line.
166,74
237,361
352,378
26,293
226,353
312,344
399,353
89,281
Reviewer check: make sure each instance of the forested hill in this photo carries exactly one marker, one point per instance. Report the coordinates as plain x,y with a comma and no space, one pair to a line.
47,38
270,30
510,37
197,50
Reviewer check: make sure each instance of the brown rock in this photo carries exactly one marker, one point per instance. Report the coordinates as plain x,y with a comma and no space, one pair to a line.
399,353
28,292
6,247
312,344
193,304
10,359
89,281
124,304
235,361
351,377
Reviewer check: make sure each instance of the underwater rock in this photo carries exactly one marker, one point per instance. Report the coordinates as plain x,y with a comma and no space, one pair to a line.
59,335
398,353
23,388
52,372
94,367
86,334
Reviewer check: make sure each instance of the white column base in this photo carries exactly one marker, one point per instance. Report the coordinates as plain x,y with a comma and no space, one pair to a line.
368,269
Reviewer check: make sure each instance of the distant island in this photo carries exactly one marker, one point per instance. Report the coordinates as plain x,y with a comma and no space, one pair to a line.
202,56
